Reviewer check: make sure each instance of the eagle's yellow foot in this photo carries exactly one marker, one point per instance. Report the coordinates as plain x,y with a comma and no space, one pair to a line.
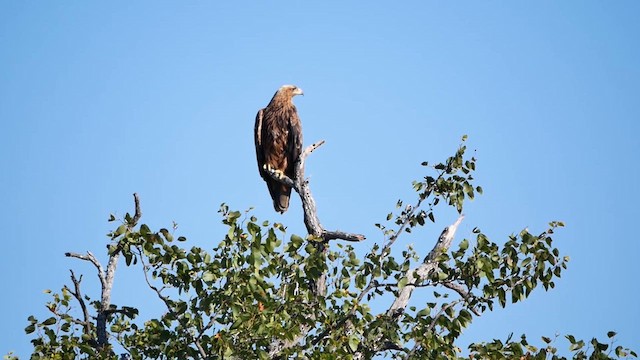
277,173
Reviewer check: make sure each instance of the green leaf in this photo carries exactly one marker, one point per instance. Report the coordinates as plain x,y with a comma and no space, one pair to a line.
263,355
353,343
167,235
296,241
49,321
468,189
144,229
576,345
208,276
120,230
29,329
402,283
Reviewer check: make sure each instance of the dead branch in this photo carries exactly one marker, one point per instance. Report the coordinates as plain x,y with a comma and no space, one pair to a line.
301,186
138,212
464,293
92,259
106,280
78,295
414,277
337,234
422,271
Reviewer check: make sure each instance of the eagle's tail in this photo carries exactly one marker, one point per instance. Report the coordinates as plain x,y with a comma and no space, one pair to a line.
280,194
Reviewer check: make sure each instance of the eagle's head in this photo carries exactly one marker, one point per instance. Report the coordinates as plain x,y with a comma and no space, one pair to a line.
290,90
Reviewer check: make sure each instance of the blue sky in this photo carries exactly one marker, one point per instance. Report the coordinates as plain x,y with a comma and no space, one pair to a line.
98,101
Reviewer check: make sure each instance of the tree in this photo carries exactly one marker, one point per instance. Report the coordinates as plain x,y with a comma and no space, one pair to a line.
262,294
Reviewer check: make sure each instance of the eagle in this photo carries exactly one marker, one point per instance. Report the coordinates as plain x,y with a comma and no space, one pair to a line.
278,138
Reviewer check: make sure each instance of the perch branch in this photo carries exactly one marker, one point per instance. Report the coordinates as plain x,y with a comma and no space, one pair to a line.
301,186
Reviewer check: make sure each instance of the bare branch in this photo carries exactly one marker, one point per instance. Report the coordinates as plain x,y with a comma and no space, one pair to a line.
92,259
301,186
464,293
138,213
429,264
106,279
337,234
414,276
105,300
78,295
109,277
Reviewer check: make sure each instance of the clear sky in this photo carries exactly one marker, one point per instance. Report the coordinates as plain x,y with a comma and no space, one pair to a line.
102,99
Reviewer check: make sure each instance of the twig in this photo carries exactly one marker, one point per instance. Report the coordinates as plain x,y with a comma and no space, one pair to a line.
433,324
169,305
92,259
464,293
78,295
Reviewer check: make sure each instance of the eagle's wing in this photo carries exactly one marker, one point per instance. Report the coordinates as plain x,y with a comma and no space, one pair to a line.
294,145
257,135
272,150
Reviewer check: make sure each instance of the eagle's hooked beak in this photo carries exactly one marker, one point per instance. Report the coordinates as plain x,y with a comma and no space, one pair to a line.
298,91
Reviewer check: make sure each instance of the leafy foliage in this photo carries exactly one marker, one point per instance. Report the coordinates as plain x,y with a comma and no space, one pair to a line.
250,296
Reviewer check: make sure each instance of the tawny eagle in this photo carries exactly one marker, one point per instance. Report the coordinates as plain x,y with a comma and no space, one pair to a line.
278,137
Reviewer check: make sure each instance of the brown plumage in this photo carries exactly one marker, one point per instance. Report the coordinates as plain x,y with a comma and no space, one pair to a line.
278,137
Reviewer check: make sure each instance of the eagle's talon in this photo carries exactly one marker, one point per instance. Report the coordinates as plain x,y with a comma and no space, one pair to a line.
274,172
